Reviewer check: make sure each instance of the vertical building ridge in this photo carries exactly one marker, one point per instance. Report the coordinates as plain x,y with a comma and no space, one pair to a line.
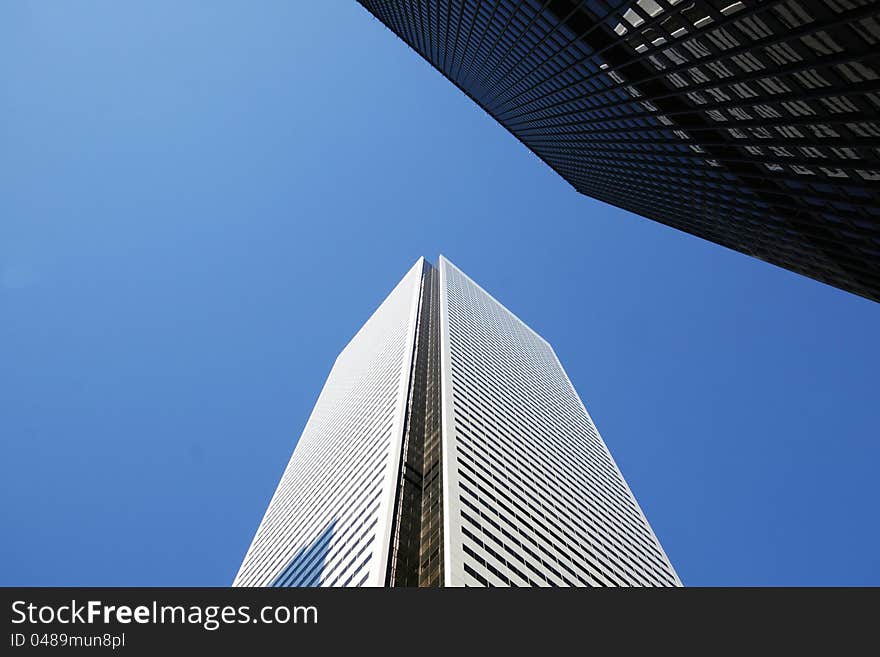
410,513
431,530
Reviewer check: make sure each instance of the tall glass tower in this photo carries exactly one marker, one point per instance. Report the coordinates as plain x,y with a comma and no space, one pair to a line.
751,123
449,448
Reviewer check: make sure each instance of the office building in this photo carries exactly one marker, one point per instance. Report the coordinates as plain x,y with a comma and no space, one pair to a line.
753,124
449,448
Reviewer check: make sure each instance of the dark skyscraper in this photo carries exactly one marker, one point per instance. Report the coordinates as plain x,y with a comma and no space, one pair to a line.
751,124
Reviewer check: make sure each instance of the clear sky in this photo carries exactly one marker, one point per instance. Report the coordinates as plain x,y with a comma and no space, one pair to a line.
200,203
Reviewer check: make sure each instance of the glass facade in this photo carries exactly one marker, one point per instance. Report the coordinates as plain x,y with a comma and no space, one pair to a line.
753,124
416,552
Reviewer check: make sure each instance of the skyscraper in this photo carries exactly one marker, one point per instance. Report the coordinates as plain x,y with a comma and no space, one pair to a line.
753,124
449,448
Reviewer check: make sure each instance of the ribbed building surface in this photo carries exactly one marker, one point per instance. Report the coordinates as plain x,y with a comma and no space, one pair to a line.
534,498
329,522
449,448
753,124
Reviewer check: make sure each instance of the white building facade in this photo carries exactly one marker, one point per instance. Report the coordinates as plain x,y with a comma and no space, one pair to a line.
328,521
449,448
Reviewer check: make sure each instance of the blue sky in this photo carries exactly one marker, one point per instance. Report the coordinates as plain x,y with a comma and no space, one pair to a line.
200,205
